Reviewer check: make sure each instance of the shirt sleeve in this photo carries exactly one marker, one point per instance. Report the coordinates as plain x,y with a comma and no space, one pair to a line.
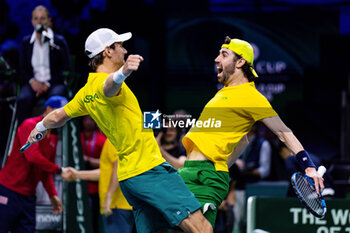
76,106
33,154
48,183
261,108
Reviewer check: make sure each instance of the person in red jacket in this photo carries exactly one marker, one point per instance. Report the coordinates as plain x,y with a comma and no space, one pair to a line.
22,173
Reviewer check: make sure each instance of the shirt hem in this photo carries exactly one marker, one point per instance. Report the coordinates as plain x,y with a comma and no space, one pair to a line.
141,171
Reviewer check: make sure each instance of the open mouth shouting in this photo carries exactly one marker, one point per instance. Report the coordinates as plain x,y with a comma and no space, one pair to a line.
221,75
219,70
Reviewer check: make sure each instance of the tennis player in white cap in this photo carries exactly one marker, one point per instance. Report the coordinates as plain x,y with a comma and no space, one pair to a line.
159,196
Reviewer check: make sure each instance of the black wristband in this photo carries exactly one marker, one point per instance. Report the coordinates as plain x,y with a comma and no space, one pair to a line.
304,160
59,171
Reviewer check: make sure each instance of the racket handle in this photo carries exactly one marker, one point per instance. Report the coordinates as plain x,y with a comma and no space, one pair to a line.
38,136
24,147
321,170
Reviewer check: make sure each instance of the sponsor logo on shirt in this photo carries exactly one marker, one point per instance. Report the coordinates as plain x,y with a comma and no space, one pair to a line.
90,98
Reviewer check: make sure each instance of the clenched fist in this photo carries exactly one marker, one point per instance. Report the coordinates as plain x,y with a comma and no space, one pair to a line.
132,64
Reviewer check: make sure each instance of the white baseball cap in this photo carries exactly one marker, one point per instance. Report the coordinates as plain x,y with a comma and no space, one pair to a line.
101,38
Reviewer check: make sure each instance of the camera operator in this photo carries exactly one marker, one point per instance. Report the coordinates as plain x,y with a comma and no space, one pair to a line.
44,56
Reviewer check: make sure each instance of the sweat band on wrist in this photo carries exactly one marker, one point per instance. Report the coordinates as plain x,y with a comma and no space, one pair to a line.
304,160
119,77
60,170
40,126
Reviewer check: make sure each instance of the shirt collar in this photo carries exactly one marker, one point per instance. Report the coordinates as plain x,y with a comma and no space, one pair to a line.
32,39
49,34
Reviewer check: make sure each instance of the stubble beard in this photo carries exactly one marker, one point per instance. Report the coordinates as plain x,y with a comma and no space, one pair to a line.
226,75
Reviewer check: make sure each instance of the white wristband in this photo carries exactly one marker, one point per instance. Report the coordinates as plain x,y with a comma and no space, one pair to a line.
118,76
40,126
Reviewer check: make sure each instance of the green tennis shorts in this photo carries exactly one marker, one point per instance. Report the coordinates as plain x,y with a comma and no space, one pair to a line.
159,197
207,184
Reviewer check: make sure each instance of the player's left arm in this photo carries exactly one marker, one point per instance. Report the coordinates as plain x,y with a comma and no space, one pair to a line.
115,80
276,125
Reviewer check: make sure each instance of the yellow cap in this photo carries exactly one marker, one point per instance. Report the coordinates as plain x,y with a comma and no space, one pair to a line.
243,49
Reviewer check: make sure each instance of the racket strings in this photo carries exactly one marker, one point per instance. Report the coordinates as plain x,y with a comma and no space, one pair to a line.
309,195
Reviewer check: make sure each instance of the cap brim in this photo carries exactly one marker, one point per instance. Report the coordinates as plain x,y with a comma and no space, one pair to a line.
124,37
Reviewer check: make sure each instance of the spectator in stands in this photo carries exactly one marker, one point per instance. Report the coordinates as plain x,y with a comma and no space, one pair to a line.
22,172
44,56
92,141
255,161
115,210
171,147
183,115
278,168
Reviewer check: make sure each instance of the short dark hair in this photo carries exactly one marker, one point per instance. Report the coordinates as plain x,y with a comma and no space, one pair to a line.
42,8
247,72
98,59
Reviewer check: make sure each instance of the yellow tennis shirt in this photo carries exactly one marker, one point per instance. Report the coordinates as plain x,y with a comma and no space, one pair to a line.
229,115
120,119
107,159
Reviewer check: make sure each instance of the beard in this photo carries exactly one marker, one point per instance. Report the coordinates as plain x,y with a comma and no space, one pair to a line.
227,73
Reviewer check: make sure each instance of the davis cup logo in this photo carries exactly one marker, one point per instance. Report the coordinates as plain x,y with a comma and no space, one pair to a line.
151,120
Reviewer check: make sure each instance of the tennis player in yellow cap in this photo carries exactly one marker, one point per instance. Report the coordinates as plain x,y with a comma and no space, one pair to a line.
237,106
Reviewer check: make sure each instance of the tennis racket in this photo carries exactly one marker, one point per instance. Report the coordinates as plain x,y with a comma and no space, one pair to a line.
305,190
38,136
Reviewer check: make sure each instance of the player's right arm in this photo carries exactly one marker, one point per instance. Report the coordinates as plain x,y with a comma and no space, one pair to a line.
115,80
54,119
59,117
